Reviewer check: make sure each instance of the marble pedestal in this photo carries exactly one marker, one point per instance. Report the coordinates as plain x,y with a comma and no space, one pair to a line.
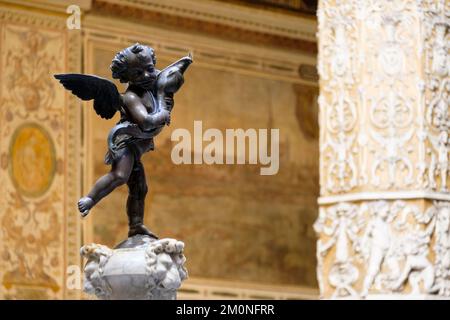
139,268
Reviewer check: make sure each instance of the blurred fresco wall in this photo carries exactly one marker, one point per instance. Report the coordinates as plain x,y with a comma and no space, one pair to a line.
244,232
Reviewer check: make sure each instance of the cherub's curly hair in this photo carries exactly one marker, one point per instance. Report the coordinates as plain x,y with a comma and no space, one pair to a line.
119,64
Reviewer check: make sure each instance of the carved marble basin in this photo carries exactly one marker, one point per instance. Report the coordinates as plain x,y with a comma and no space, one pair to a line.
138,268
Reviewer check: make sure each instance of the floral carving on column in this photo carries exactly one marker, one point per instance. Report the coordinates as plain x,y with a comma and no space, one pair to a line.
336,102
389,30
384,247
437,67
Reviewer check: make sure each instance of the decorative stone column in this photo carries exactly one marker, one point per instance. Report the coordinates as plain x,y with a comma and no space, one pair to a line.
139,268
384,220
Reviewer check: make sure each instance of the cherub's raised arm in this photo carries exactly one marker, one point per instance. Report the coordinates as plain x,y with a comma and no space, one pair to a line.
141,117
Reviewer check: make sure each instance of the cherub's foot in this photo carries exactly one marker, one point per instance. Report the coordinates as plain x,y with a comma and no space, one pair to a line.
84,205
141,229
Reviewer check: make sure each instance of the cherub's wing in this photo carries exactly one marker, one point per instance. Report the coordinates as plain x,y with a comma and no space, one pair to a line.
106,97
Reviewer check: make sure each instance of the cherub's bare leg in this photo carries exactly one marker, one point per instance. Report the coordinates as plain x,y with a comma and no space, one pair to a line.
137,190
120,172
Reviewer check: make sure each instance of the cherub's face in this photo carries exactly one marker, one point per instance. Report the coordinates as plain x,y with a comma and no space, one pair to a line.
141,71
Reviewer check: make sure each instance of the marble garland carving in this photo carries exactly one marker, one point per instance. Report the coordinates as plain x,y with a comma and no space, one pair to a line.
386,245
97,256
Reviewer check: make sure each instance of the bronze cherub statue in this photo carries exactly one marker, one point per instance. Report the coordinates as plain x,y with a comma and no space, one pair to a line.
145,109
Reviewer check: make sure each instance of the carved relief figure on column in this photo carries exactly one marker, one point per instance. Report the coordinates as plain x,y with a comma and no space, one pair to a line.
384,247
376,242
340,226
